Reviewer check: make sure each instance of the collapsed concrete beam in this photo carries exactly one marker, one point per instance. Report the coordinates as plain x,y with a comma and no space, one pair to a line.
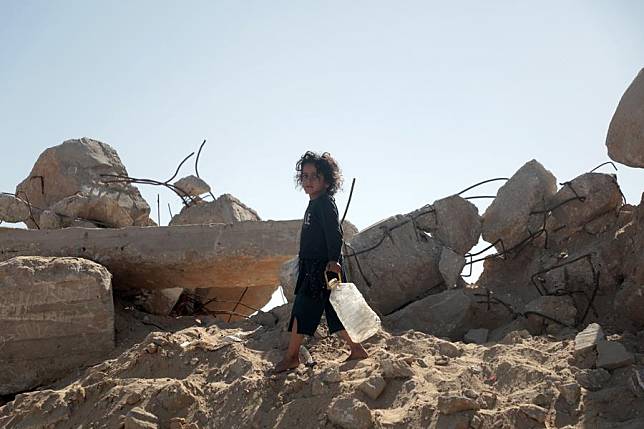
244,254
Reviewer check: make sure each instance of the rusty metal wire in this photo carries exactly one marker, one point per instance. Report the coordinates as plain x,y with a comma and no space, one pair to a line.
482,183
346,209
605,163
238,302
197,165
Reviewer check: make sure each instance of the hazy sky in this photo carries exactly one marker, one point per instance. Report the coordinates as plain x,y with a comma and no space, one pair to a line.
417,100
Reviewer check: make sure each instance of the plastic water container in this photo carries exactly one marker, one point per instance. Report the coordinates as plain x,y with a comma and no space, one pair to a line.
359,320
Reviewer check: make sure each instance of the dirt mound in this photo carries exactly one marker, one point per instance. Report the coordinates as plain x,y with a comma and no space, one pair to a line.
218,375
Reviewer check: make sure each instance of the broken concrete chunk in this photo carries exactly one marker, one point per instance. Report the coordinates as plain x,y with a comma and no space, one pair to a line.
611,355
535,412
571,392
454,221
288,277
160,301
446,314
138,418
12,209
451,265
445,348
49,220
396,368
454,404
350,413
593,379
393,263
74,169
559,311
225,209
625,138
508,217
56,315
476,336
587,339
373,386
192,185
629,304
600,193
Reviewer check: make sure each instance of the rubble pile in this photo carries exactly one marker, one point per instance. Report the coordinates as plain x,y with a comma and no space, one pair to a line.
550,335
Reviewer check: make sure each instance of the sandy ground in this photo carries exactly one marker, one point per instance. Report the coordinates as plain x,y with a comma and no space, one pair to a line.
199,373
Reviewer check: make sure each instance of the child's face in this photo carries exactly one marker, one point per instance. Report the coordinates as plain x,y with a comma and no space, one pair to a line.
312,182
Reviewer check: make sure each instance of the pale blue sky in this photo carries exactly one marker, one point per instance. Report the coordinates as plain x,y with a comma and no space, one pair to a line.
416,99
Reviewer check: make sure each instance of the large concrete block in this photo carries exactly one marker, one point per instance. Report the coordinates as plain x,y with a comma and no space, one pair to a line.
242,254
625,138
56,314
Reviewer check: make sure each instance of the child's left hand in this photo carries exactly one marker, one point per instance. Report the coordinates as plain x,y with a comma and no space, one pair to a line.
334,267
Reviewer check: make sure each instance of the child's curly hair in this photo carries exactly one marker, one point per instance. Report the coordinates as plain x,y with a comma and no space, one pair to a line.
325,165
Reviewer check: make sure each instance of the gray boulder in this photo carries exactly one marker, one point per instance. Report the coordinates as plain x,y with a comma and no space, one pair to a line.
510,217
625,138
56,314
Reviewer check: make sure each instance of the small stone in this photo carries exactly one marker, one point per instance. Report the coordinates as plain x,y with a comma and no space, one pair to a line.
534,412
448,349
441,361
373,386
476,336
396,369
469,393
515,337
571,392
611,355
585,345
593,379
331,375
133,398
488,400
194,361
192,185
318,387
455,404
138,418
350,413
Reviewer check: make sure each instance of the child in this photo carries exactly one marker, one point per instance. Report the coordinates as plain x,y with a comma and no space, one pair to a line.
320,252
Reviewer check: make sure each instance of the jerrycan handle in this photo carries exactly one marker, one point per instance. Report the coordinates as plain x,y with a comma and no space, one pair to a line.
333,283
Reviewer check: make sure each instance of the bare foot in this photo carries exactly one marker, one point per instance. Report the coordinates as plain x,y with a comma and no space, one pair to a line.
357,353
286,364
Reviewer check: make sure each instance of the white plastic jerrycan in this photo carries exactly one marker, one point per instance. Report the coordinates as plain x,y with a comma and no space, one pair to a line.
359,320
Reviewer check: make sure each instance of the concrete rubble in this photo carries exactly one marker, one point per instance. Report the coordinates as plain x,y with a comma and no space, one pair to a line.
56,314
225,209
68,180
13,209
515,212
548,336
192,186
